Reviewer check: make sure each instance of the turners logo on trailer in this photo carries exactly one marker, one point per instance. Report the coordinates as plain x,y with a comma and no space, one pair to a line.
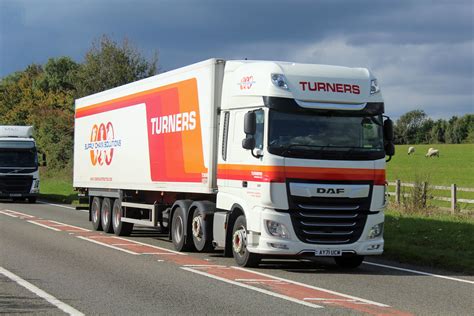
102,144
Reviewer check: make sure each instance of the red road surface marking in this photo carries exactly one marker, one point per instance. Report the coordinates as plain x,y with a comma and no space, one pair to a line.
286,289
300,293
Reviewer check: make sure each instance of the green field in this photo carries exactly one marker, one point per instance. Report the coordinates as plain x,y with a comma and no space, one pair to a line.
454,165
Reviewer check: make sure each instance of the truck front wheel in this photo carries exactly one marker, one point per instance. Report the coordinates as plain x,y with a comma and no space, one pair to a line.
240,252
106,215
95,213
349,262
120,228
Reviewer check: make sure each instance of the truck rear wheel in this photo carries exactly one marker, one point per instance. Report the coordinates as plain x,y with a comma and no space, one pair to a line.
106,215
202,231
120,228
349,262
240,252
95,213
181,240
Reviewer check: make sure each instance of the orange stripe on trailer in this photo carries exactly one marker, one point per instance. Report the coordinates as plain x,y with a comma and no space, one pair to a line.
117,103
281,173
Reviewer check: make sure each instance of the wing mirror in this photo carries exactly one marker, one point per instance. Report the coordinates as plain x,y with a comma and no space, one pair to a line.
388,136
388,130
250,127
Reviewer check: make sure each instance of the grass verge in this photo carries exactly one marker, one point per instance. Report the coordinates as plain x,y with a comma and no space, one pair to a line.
438,241
57,187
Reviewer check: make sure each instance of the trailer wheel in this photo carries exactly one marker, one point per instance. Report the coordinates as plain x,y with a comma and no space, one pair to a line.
95,213
349,262
202,231
240,252
106,215
181,240
120,228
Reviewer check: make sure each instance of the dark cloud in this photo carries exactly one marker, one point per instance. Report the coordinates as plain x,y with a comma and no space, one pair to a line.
420,48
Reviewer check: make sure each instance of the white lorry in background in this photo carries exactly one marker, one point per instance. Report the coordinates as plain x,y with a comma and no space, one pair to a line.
19,174
262,159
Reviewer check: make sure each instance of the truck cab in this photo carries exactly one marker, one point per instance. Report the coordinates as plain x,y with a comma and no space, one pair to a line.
19,175
302,159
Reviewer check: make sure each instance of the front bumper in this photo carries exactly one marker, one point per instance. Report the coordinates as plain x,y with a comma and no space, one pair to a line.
264,243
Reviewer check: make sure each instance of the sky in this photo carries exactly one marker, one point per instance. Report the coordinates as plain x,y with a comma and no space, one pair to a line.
421,51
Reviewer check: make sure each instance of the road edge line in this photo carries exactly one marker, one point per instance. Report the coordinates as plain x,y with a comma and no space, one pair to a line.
419,272
39,292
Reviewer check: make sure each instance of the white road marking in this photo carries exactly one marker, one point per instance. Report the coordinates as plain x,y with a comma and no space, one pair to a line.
106,245
63,206
45,226
39,292
18,214
158,253
203,265
313,287
8,214
419,272
152,246
253,288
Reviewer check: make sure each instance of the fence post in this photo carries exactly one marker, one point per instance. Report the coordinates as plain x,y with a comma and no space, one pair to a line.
424,186
397,191
453,198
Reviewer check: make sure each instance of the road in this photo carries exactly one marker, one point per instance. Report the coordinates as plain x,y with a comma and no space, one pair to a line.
51,262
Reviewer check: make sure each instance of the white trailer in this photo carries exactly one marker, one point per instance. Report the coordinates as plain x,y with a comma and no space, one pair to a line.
259,158
19,176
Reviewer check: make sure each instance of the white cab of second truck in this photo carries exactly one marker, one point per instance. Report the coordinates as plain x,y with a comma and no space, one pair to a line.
19,175
263,159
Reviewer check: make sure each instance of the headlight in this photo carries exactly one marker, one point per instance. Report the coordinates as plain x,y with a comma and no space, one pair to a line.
374,86
36,184
376,231
276,229
280,81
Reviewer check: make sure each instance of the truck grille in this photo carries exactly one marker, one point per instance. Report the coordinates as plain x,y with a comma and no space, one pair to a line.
15,184
319,220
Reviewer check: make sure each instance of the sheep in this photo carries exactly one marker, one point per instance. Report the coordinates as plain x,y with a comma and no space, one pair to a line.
432,152
411,150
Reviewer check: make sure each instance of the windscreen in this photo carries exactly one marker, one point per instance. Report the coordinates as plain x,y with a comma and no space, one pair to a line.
18,154
318,136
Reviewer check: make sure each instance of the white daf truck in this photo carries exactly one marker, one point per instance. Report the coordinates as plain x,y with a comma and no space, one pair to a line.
262,159
19,175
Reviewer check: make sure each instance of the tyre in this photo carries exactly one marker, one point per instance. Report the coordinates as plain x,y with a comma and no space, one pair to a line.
32,200
106,215
349,262
120,228
240,252
95,213
181,239
201,231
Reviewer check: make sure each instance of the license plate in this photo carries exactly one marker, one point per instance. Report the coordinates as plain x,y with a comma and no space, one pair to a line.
327,253
15,195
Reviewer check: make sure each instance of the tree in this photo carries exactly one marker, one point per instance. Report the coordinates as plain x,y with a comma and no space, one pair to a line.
108,65
408,125
43,96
